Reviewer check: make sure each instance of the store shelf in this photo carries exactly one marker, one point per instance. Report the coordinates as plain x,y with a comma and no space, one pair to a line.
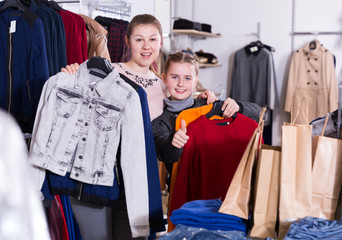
195,33
208,65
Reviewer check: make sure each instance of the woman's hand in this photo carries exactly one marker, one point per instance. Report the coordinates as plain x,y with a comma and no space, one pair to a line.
209,95
70,69
229,107
180,138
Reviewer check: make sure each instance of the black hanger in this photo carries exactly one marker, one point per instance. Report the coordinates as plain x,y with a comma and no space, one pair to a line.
12,3
45,2
54,5
216,109
26,3
312,45
99,63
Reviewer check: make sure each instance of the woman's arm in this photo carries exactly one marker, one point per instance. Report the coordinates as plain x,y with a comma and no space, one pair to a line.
249,109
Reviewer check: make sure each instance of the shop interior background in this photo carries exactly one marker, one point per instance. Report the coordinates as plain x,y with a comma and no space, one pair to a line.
239,23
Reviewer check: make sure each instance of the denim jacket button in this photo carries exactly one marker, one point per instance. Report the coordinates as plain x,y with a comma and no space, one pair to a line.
86,124
83,139
80,157
76,175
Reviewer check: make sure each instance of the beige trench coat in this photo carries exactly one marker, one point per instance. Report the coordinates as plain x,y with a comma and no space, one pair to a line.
312,78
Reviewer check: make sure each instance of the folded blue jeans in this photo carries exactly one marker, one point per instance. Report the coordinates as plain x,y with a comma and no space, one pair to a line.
315,228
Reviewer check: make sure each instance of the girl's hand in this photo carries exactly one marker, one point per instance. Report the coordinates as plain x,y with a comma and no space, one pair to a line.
209,95
229,107
70,69
180,138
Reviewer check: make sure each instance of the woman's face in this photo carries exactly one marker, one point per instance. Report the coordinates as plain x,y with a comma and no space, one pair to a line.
180,80
145,43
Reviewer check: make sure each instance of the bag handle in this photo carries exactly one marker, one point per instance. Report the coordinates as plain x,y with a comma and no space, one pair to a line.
325,124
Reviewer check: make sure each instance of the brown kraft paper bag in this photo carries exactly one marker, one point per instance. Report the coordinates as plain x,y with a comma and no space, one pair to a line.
265,210
295,173
326,176
237,200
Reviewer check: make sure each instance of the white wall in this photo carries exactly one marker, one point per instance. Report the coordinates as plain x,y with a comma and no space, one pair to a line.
237,21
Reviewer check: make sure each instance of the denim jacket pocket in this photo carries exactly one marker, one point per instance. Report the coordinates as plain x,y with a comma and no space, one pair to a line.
67,102
106,116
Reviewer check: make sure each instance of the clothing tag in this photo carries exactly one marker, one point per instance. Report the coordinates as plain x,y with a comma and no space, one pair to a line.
12,27
254,49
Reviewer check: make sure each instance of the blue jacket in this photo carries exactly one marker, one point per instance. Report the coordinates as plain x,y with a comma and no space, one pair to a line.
23,65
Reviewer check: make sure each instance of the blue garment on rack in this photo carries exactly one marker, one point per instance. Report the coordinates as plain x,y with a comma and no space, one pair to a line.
315,228
73,229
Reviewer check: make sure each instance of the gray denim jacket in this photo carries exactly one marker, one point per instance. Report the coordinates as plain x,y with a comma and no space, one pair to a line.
81,121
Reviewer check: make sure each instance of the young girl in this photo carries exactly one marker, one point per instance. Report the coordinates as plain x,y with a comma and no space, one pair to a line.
180,77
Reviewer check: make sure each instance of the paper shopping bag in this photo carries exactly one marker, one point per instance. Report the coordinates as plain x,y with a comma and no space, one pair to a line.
237,200
265,209
295,173
326,176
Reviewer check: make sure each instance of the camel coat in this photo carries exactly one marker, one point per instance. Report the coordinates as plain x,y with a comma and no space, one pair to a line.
96,34
312,79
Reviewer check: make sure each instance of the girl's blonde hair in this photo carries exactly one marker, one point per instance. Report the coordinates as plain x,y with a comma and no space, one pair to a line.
181,57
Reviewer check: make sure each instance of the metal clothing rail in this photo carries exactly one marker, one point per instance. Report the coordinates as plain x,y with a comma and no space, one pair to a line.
65,1
121,10
316,33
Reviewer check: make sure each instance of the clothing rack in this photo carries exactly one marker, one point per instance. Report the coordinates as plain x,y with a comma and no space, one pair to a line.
118,7
121,10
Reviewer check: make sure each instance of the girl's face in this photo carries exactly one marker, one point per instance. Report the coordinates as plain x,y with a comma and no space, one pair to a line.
180,80
145,43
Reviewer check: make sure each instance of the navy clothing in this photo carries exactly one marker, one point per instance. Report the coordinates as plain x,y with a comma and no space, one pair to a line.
57,40
47,30
155,203
23,65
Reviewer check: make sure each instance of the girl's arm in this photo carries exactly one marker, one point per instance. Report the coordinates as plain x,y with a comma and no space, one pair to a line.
163,136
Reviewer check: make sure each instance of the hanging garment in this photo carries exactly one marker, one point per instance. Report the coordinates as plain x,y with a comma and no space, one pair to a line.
254,79
75,36
156,217
96,38
78,119
312,76
210,158
57,37
23,67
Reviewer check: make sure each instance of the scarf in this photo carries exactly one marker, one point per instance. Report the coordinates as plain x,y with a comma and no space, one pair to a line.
178,105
